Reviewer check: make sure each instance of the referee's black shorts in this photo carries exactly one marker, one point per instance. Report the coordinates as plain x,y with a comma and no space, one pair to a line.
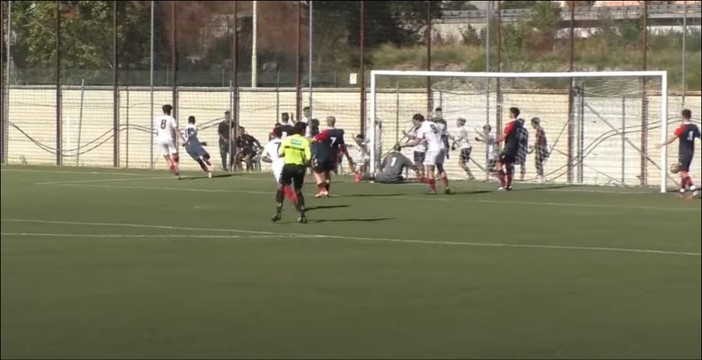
293,175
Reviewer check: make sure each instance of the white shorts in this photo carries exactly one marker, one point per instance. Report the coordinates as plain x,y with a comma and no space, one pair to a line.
435,157
277,168
167,146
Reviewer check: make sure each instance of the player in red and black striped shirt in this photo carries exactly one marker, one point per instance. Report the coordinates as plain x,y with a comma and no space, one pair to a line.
686,134
505,164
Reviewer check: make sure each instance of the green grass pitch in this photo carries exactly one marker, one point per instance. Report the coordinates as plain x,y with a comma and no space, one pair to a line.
115,263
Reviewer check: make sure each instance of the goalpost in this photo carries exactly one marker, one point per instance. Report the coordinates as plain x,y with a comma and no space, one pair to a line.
603,128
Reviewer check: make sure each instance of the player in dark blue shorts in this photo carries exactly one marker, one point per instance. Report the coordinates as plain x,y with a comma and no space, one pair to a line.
686,134
325,155
505,163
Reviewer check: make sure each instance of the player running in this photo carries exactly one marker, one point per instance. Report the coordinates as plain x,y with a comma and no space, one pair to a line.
505,164
540,148
296,153
166,138
686,134
430,134
270,155
459,136
326,147
195,148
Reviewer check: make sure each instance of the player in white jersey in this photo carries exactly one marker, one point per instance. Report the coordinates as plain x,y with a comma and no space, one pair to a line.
460,138
420,152
166,138
430,135
271,154
195,148
489,139
362,158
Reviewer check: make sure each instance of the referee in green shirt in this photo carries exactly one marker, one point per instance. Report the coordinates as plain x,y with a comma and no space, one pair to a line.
296,152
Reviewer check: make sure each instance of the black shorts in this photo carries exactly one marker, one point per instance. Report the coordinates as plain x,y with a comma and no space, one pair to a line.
465,154
507,157
247,151
684,162
541,155
293,175
491,164
323,165
419,156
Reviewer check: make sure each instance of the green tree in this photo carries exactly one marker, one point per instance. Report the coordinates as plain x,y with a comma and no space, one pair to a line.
86,35
457,5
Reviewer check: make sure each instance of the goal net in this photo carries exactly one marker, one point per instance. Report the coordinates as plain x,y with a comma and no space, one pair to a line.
602,128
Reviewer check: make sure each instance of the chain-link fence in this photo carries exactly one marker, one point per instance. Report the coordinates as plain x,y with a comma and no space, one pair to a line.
82,80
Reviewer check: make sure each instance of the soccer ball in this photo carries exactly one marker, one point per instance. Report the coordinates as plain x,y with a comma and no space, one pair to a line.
675,168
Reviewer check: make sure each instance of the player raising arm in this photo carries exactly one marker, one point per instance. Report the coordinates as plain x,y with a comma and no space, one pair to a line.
430,134
459,136
686,134
296,153
166,138
489,140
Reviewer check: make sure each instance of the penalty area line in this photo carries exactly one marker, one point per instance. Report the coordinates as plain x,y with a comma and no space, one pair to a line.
404,198
147,236
366,239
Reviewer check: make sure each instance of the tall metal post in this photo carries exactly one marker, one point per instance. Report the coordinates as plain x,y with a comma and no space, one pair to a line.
644,102
571,118
298,63
4,83
361,71
115,89
309,56
684,57
234,92
59,119
428,36
174,61
488,15
151,84
498,110
487,64
254,48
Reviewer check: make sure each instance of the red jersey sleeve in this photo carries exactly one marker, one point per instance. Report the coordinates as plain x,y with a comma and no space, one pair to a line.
509,128
679,131
321,136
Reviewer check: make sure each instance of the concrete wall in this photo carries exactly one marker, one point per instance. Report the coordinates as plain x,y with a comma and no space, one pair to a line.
610,157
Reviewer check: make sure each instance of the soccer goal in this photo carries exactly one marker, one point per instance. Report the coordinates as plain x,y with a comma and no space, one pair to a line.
602,128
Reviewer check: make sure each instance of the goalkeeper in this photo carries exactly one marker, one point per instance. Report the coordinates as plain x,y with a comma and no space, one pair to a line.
393,166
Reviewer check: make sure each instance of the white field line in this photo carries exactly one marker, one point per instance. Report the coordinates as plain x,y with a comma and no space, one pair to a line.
74,172
403,197
356,238
147,236
101,180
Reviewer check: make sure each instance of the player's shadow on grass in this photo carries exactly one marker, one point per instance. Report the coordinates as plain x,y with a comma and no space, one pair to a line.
472,192
548,187
314,221
326,207
371,195
213,176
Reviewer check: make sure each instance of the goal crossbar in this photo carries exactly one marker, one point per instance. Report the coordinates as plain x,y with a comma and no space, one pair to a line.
663,75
